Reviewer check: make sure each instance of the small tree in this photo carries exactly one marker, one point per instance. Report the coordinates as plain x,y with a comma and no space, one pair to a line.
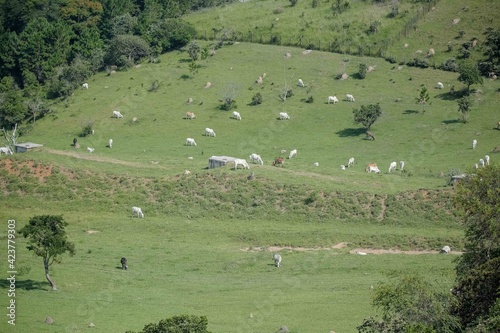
194,50
464,105
423,97
11,138
256,99
367,115
469,75
47,239
363,69
228,98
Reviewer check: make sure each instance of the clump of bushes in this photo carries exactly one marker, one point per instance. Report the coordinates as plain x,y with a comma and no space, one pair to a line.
256,99
449,65
416,62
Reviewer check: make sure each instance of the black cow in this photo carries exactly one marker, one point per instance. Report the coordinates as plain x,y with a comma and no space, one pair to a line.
123,261
74,142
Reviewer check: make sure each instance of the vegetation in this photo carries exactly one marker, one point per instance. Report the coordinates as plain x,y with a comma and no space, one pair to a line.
178,324
48,240
367,115
464,105
469,75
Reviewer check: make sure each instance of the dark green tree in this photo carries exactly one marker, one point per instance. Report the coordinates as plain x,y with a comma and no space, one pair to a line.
178,324
367,115
423,98
194,50
170,34
409,304
469,75
464,106
12,108
126,48
492,51
477,288
362,70
47,239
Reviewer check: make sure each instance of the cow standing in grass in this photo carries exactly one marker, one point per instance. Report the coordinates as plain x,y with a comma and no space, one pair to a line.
123,261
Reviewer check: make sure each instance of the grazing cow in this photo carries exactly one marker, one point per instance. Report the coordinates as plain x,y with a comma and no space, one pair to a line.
74,141
137,211
279,161
349,98
474,144
208,85
439,85
5,150
333,99
292,153
498,125
117,114
123,261
90,149
255,158
242,162
401,165
369,135
110,143
487,159
301,83
392,166
189,100
190,115
350,163
85,85
260,80
481,162
446,249
284,115
372,167
316,164
236,115
476,166
277,260
342,167
209,132
190,142
251,176
360,253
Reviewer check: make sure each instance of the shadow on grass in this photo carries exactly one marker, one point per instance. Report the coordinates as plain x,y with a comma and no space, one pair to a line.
452,121
25,284
351,132
410,111
450,96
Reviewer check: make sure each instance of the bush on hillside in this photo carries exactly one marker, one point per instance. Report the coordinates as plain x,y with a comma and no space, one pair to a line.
416,62
256,99
178,324
449,65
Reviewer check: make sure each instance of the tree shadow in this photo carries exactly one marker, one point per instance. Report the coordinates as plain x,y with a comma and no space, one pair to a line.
351,132
25,284
449,96
451,121
410,111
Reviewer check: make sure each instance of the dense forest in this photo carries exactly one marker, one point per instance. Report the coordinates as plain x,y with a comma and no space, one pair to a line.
48,48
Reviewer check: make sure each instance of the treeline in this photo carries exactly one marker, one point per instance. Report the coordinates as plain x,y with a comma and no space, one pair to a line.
48,48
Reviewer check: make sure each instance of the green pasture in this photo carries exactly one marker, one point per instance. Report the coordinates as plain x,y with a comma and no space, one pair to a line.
221,269
205,244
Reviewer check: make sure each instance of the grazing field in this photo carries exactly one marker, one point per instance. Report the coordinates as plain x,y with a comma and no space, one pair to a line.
205,245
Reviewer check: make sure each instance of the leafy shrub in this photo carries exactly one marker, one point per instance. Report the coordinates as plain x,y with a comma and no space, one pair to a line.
256,99
363,69
449,65
87,128
314,3
416,62
391,60
309,99
293,2
278,10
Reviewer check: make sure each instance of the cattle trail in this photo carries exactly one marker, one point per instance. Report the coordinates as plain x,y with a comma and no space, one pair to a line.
383,208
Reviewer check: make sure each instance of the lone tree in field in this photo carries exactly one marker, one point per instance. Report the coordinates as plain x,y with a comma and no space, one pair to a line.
469,75
47,239
367,115
423,98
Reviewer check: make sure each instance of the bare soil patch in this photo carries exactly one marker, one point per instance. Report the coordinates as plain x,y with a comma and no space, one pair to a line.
35,169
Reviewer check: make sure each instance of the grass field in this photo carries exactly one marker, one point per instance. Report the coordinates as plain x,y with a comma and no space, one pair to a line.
206,242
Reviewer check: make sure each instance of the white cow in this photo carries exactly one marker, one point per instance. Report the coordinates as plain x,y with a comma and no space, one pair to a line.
110,143
481,162
209,132
487,159
284,115
277,260
117,114
242,162
292,153
300,83
90,149
372,167
137,211
85,85
190,115
439,85
446,249
401,165
349,97
333,99
474,144
392,166
255,158
236,115
316,164
5,150
342,167
350,163
190,142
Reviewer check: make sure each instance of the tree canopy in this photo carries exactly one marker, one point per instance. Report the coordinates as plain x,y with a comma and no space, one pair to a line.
367,114
47,239
178,324
469,74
